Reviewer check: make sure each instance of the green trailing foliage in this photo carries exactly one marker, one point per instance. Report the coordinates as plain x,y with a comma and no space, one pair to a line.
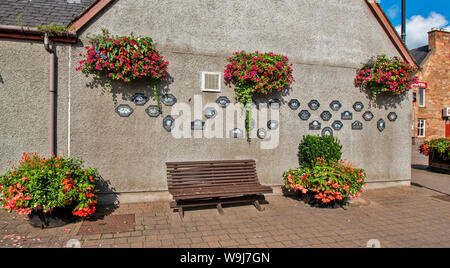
257,73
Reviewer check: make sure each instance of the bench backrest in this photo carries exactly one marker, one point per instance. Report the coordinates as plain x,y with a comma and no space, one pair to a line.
210,173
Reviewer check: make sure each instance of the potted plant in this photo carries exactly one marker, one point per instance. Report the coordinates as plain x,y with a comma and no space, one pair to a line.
438,151
51,191
124,58
327,185
257,73
382,75
323,179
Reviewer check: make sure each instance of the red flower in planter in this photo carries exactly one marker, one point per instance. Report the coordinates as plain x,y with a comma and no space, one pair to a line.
336,181
47,186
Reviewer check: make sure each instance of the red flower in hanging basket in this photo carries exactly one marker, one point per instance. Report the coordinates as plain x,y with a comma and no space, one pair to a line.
124,58
383,75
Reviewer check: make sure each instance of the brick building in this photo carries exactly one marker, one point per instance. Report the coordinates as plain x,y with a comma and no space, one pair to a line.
431,95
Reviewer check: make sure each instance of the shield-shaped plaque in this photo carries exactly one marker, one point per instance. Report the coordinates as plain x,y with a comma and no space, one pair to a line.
347,115
315,125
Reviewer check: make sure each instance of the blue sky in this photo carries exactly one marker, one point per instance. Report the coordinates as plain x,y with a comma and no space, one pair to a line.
421,15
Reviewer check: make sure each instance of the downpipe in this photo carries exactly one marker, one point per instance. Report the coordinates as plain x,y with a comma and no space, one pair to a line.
53,95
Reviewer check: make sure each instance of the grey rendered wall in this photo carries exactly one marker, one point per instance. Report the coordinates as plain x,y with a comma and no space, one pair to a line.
24,99
326,40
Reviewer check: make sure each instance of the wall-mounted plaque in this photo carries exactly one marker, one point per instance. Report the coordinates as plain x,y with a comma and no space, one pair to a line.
153,111
381,125
335,105
315,125
262,133
314,105
168,123
168,99
347,115
304,115
275,104
357,125
327,131
139,99
358,106
337,125
124,110
326,116
197,125
368,116
236,133
210,112
223,101
392,116
273,124
294,104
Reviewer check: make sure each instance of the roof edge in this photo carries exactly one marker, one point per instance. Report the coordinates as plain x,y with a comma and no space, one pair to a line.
88,15
379,14
33,33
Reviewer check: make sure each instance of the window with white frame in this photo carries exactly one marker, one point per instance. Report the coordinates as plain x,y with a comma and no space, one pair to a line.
211,81
421,97
421,128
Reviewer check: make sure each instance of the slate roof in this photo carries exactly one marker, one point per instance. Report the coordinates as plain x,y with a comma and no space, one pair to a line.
419,54
34,13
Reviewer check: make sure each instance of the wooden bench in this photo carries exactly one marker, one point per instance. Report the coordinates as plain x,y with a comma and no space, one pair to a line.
204,183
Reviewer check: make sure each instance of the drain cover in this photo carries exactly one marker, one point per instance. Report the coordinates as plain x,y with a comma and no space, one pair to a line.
108,224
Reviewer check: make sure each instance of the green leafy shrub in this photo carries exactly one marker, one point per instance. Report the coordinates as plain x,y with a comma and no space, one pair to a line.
326,182
43,184
314,147
436,149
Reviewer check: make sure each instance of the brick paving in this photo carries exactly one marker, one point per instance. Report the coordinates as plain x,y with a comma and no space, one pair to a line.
397,217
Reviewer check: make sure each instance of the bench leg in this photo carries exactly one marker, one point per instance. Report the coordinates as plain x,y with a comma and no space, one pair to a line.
257,205
181,212
219,208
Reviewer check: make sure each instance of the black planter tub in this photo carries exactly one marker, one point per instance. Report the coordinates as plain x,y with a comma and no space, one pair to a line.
57,218
309,199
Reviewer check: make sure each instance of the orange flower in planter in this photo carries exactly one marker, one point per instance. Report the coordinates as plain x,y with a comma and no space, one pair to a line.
25,195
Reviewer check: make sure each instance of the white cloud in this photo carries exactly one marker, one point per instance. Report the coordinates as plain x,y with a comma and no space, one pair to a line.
393,12
417,28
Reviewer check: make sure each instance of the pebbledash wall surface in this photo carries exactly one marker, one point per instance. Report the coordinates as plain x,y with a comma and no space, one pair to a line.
326,40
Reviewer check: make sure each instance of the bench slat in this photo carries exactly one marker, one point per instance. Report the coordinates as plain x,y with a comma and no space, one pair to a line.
211,172
228,167
211,175
208,189
212,166
221,194
221,184
209,162
213,181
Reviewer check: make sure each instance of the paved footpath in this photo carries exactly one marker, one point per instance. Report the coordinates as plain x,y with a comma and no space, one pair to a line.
396,217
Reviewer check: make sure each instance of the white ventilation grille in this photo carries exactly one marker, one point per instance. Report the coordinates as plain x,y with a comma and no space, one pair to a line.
211,82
